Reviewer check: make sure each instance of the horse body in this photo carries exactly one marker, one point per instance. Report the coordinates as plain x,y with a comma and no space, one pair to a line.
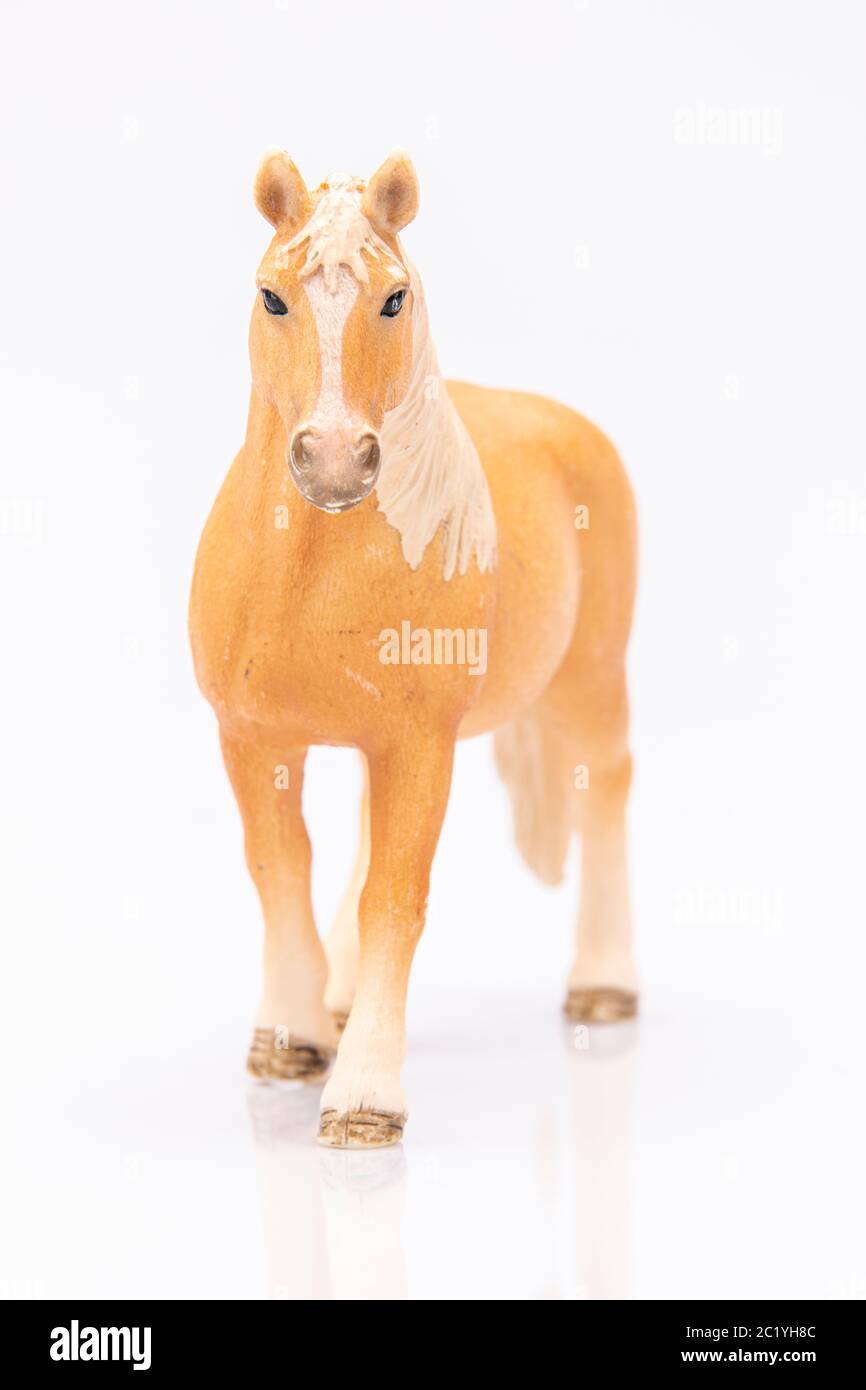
289,603
300,578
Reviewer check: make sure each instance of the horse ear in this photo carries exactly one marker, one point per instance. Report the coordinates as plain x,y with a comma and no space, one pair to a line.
391,197
280,192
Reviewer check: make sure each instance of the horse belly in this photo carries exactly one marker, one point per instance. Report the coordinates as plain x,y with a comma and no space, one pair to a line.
537,578
537,595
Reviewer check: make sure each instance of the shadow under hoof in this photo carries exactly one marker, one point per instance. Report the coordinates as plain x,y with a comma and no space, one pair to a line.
360,1129
297,1060
600,1004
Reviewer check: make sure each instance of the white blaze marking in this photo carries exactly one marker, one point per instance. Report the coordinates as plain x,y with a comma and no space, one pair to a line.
330,311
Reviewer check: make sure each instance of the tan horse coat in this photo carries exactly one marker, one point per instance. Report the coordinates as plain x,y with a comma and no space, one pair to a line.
290,603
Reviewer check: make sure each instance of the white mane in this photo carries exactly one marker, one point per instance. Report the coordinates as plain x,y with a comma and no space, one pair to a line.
431,474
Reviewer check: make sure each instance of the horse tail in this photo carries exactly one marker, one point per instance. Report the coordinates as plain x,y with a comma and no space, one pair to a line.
529,758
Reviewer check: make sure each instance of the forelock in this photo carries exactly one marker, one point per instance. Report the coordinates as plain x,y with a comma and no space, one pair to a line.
338,234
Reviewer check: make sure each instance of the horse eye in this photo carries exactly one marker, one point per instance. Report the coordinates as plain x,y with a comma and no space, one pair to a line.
273,303
393,305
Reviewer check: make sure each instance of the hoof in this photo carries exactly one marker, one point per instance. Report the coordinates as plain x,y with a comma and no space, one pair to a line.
296,1061
600,1004
360,1129
340,1019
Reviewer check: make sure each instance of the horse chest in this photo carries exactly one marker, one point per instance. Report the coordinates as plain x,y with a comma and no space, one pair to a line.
325,646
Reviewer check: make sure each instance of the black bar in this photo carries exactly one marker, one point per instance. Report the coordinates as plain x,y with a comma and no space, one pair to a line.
252,1340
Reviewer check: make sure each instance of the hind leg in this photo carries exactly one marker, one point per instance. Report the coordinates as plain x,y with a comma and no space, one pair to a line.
567,764
343,944
602,983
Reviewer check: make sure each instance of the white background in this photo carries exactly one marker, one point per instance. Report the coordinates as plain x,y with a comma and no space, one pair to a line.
593,229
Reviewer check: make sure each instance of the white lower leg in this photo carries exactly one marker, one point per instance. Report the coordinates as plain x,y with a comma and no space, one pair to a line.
294,975
604,937
367,1072
343,944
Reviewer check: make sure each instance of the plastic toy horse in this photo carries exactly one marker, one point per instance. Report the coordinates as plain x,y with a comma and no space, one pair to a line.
394,563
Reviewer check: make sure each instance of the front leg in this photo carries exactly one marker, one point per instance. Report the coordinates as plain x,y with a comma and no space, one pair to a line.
294,1038
363,1104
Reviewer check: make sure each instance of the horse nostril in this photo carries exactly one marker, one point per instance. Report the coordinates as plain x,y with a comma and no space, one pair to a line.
302,449
367,456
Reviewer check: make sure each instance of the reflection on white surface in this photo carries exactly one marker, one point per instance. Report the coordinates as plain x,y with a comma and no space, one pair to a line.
709,1150
293,1212
590,1157
599,1097
331,1220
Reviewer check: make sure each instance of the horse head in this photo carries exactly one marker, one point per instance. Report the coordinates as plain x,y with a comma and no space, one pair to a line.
331,338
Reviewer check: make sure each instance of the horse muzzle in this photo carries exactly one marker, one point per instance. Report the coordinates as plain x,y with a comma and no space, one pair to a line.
336,470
